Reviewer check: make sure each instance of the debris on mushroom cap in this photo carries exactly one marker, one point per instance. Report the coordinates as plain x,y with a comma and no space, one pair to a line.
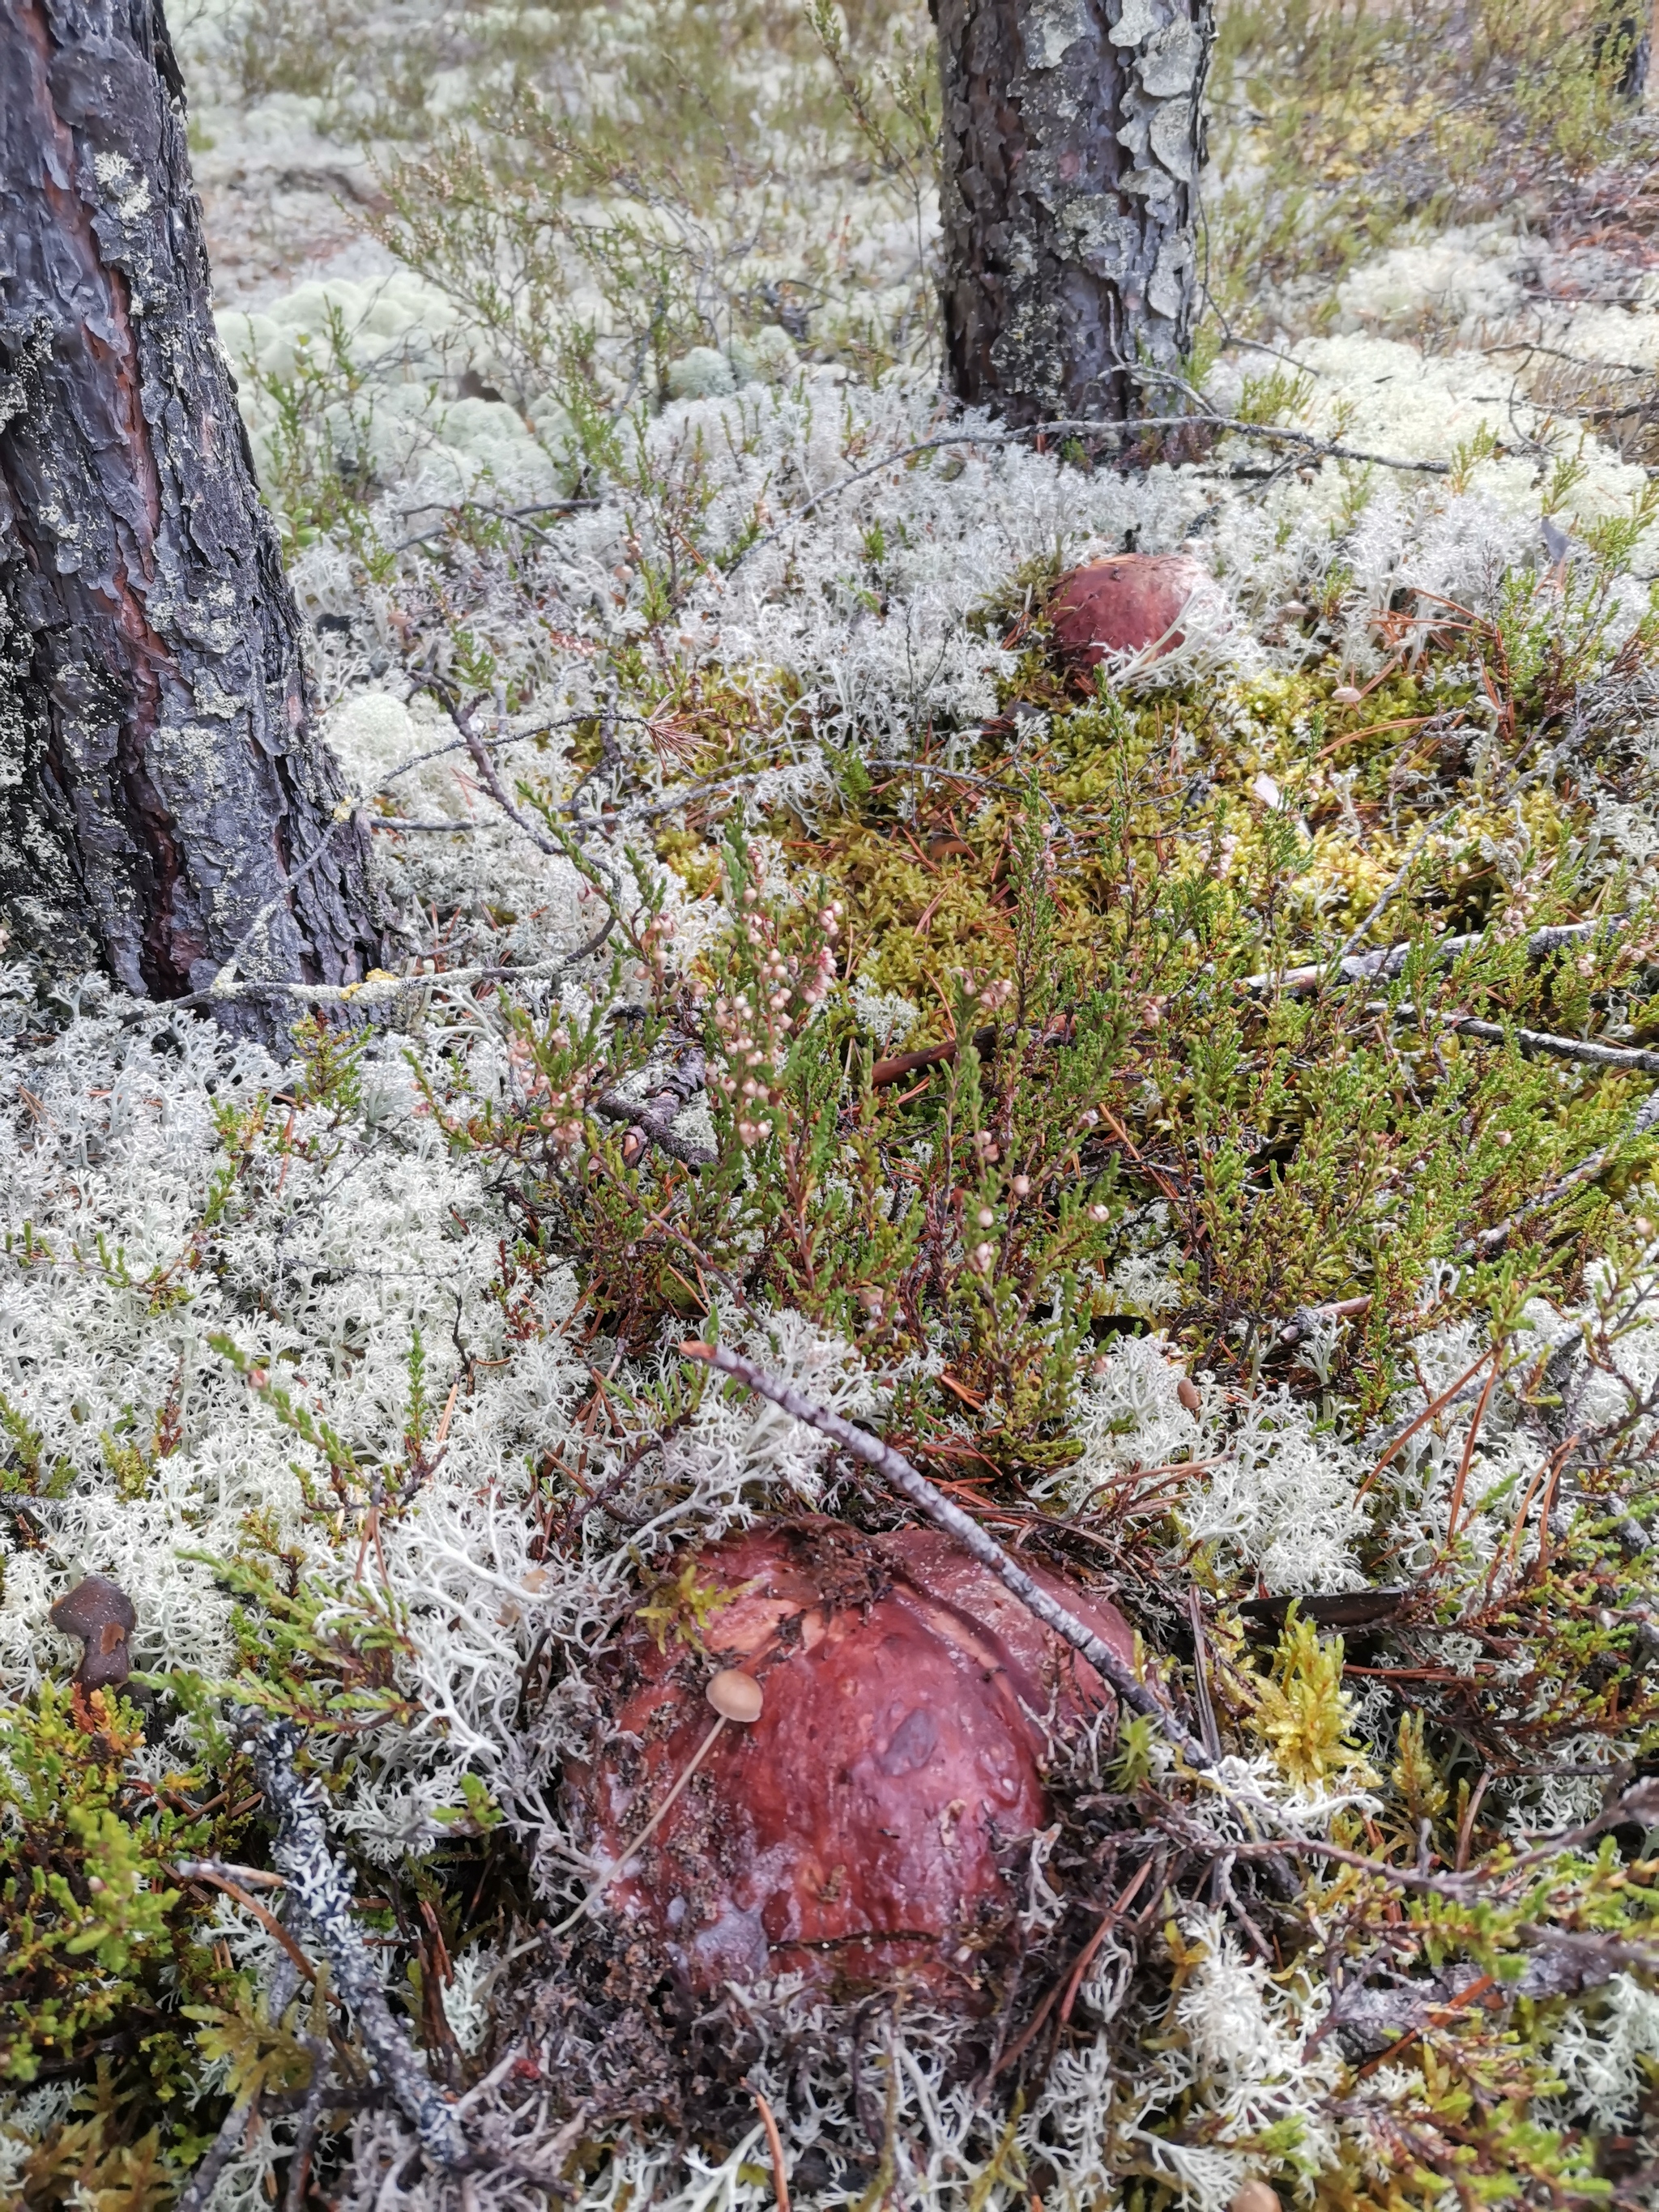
101,1614
1124,606
870,1820
736,1696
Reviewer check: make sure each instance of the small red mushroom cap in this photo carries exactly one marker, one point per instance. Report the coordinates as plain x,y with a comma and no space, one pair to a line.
1128,605
101,1614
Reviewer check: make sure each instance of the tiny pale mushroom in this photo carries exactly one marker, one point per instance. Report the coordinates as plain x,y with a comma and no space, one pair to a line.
736,1696
1254,2196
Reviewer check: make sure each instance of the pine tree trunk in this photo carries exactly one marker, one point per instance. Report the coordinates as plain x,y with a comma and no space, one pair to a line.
1073,136
159,780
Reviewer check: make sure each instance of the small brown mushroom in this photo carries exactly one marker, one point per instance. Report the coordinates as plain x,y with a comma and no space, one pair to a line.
735,1696
1254,2196
1132,604
101,1614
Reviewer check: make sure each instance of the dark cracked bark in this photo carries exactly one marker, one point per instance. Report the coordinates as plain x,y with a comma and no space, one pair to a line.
1073,137
159,781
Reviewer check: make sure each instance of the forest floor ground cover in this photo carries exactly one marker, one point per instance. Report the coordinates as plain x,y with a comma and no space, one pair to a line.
691,656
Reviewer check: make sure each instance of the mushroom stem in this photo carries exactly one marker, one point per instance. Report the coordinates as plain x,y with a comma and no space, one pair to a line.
645,1834
927,1499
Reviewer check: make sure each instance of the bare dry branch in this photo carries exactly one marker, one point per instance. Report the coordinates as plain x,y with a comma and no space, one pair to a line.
897,1470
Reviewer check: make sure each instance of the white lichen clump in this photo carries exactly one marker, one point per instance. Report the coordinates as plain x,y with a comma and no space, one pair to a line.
844,610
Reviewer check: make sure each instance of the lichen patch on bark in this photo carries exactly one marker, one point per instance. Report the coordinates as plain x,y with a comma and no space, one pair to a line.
1073,137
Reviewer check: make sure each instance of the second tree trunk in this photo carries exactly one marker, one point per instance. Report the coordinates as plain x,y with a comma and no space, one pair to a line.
1073,136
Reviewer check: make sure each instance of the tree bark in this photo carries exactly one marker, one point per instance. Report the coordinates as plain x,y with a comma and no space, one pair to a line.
159,781
1073,138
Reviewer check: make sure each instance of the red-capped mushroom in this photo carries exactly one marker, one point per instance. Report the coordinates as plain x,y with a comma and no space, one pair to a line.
869,1816
1124,605
101,1614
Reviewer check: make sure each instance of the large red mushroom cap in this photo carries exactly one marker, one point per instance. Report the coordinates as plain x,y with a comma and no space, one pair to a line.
869,1819
1124,606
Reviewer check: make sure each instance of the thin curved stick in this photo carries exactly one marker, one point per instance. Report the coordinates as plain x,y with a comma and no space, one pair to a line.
923,1494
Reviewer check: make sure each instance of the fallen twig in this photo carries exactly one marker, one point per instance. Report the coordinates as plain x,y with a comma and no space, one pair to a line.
220,2152
224,1871
479,754
1308,1321
522,515
1589,1051
897,1065
923,1494
377,989
378,986
1390,961
304,2134
652,1120
321,1887
1313,448
1489,1240
1639,1802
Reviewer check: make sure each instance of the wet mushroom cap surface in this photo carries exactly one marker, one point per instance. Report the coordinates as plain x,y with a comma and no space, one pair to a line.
870,1818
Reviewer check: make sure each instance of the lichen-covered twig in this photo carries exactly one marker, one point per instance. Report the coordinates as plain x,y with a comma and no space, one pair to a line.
321,1886
1589,1052
897,1470
1312,448
1308,1321
220,2152
304,2134
652,1120
1390,961
1489,1240
645,1121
